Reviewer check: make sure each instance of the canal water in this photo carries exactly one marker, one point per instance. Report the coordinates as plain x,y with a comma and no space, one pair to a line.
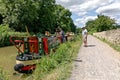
8,61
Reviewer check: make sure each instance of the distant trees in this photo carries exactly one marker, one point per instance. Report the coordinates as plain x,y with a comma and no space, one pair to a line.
37,15
63,18
102,23
1,18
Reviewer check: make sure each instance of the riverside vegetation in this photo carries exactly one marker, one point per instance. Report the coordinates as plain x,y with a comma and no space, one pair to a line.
111,37
56,66
5,33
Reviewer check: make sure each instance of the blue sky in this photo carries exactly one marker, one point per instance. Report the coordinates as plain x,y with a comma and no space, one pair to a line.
84,10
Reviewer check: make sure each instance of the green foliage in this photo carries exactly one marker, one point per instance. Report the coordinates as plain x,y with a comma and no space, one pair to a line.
5,37
5,28
63,19
58,62
118,26
37,15
1,18
18,13
78,30
2,75
114,46
102,23
5,33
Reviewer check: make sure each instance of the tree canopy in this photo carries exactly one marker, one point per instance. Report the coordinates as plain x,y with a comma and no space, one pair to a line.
37,15
102,23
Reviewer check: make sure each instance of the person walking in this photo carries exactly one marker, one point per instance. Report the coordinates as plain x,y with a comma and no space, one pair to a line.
62,33
84,36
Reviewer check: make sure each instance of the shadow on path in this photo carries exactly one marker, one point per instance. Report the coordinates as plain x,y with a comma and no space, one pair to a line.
91,45
76,60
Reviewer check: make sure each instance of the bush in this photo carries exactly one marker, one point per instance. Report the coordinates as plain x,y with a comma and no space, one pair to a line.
58,62
5,33
5,28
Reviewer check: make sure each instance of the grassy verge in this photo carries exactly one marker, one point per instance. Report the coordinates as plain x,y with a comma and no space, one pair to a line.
5,33
3,75
114,46
58,65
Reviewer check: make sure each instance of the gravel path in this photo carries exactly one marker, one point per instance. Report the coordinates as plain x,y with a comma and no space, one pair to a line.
98,61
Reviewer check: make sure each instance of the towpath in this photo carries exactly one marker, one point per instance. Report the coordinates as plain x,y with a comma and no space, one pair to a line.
98,61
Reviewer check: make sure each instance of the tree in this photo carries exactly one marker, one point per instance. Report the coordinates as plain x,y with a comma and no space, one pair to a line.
102,23
19,13
1,19
63,19
37,15
91,25
46,15
105,23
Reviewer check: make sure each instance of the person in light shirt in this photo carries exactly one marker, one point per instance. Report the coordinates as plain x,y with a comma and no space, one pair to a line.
84,36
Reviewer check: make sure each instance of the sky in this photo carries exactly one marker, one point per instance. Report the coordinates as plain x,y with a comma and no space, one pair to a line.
85,10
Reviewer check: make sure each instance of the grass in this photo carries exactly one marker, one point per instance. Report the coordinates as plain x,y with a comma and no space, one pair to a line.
5,33
114,46
58,65
3,75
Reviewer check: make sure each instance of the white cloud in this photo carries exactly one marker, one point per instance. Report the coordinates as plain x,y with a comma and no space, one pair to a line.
82,13
118,21
88,9
90,18
68,3
82,5
62,1
84,19
113,9
88,5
